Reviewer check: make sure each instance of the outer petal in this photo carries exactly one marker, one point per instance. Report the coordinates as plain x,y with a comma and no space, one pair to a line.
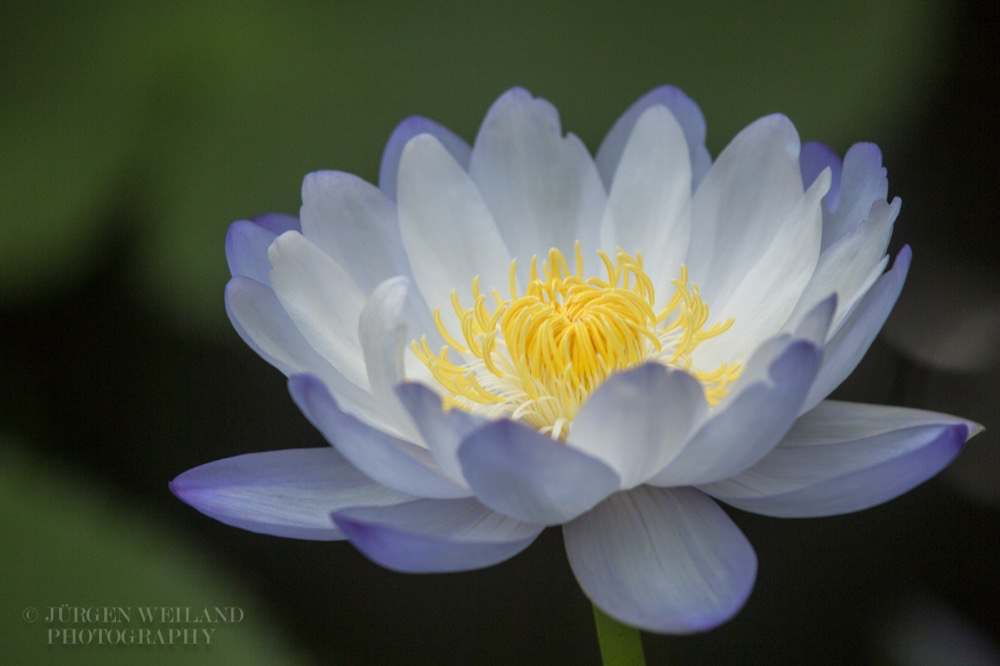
247,242
428,536
862,184
354,223
857,332
638,420
389,460
447,231
322,300
442,430
842,457
406,130
246,250
519,472
749,425
682,108
285,493
267,329
668,561
649,203
542,188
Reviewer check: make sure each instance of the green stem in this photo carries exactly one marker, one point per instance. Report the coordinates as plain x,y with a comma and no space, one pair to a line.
620,645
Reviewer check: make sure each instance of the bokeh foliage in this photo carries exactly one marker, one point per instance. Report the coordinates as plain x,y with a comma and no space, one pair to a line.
191,114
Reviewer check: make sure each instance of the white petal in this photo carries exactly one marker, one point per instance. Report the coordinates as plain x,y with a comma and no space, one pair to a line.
649,203
667,561
320,297
682,108
264,325
383,338
542,188
638,420
740,205
448,233
406,130
354,223
768,291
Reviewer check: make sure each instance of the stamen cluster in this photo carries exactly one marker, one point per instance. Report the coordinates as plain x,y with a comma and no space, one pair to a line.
538,355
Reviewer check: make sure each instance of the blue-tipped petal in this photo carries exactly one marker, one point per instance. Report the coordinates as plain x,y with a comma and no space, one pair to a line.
277,223
522,473
858,330
844,457
430,536
247,242
286,493
389,460
246,251
406,130
442,430
666,561
638,420
686,112
815,157
744,429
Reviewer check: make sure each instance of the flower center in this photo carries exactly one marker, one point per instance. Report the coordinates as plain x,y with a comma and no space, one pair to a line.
537,356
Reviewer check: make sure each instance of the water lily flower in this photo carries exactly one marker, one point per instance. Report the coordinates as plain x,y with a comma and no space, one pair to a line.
515,334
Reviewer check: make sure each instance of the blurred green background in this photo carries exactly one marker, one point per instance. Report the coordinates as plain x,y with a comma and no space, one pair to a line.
132,134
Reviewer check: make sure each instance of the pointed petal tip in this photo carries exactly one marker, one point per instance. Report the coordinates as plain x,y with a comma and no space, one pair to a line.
286,493
833,469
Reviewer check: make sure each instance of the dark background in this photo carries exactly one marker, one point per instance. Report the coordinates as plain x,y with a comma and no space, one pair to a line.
132,136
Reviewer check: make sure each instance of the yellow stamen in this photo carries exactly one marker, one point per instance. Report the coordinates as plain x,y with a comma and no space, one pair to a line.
537,356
